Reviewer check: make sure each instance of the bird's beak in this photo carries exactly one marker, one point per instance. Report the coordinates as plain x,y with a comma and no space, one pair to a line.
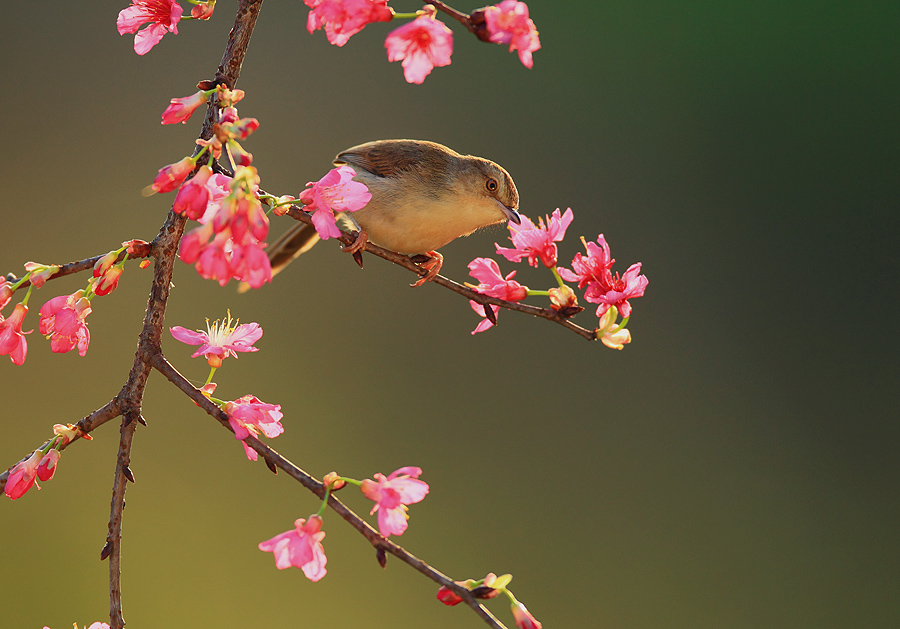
511,214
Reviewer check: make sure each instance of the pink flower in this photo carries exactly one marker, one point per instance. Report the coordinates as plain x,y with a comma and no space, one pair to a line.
214,263
391,495
108,281
335,192
422,44
508,23
6,293
180,109
194,195
523,618
249,415
204,10
47,466
12,339
300,547
493,284
486,323
250,264
603,288
344,18
40,273
62,319
172,176
22,475
225,338
162,15
448,596
537,241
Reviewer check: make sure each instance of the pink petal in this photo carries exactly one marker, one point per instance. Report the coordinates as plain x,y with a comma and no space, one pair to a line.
189,336
146,39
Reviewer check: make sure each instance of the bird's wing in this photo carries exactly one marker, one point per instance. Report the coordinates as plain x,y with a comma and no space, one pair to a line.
387,159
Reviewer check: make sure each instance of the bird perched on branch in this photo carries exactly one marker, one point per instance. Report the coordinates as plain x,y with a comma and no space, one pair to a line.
423,196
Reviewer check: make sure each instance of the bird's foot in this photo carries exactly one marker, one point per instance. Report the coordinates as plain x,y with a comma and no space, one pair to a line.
357,245
432,264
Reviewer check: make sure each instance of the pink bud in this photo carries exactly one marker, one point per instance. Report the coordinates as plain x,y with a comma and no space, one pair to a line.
193,196
47,467
180,109
103,265
6,293
171,176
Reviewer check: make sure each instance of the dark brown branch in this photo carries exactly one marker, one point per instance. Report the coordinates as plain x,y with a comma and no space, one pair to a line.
273,458
547,313
474,23
113,547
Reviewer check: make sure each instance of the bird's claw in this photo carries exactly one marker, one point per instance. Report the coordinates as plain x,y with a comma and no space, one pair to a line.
357,245
433,265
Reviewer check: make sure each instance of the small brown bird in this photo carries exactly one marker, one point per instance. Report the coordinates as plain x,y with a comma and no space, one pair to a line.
423,196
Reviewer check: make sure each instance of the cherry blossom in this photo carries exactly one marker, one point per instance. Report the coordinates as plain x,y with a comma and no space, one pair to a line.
47,467
391,495
181,109
537,242
604,288
224,338
22,475
173,175
249,415
508,23
342,19
493,284
6,293
523,618
300,547
12,339
421,45
335,192
162,15
62,319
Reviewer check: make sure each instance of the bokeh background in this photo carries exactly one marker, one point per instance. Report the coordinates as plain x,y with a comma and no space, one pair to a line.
736,466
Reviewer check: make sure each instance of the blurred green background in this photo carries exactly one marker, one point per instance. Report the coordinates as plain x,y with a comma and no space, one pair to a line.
736,466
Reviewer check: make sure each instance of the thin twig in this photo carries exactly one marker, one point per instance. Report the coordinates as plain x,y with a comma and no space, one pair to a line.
546,313
108,411
375,538
80,265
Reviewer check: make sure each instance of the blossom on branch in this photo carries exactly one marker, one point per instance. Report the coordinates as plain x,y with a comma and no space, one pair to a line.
300,547
62,321
249,415
172,176
12,339
421,45
537,242
391,495
223,339
342,19
181,109
508,23
593,271
523,618
6,293
335,192
493,284
22,475
47,467
162,15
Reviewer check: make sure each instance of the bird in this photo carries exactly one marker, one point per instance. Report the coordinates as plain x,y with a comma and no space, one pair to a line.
424,195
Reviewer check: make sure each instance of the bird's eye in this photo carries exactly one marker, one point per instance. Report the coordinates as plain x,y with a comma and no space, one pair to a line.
492,185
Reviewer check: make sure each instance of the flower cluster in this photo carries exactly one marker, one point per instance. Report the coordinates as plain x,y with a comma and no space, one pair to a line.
301,546
42,462
537,244
62,318
230,241
425,42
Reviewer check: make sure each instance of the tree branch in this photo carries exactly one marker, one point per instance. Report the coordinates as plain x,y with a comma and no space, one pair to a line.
297,213
275,460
